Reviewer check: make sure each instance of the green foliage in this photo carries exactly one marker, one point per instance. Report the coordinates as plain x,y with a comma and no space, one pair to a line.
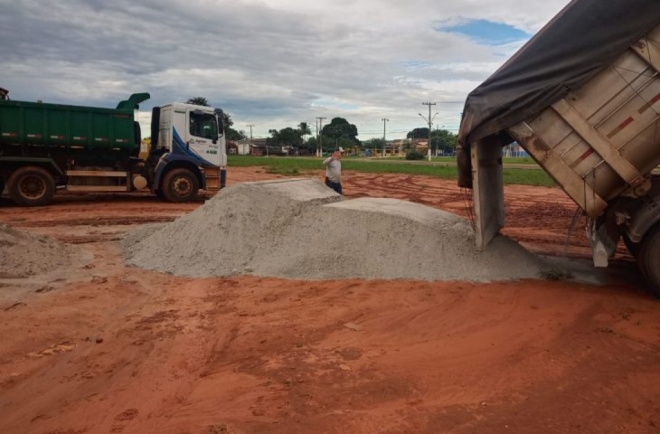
418,133
338,129
285,137
518,160
440,139
414,154
226,120
232,134
329,144
198,100
303,127
528,177
443,139
374,144
310,145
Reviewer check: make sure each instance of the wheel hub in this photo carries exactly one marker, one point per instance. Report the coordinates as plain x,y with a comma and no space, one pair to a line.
182,186
32,187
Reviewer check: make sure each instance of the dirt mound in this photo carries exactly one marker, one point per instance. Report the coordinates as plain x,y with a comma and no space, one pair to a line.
23,254
301,229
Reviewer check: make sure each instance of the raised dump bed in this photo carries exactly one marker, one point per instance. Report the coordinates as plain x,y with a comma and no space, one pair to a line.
582,98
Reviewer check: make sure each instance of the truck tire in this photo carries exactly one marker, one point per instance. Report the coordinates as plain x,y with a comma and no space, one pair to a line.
31,186
649,258
180,185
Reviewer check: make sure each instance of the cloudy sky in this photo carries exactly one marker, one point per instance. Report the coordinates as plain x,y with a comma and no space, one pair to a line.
271,63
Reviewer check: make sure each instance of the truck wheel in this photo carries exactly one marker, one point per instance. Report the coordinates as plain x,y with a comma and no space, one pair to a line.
649,258
31,186
180,185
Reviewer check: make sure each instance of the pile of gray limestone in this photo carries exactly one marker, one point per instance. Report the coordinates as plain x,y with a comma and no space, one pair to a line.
300,229
24,254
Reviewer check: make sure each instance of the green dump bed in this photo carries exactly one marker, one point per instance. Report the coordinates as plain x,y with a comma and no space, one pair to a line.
73,127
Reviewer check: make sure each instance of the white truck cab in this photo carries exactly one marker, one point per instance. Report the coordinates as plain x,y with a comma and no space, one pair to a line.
190,139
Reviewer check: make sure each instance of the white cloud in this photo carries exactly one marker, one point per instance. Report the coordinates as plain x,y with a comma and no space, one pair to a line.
273,63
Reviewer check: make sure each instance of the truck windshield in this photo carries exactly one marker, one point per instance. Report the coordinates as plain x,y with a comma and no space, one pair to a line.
203,125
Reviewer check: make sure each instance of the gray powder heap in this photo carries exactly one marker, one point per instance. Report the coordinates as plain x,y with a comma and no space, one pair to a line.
23,254
301,229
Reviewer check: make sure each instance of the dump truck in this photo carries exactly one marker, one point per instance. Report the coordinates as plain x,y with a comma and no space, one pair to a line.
582,97
49,147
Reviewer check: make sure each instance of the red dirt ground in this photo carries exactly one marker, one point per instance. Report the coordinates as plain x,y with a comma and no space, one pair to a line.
111,349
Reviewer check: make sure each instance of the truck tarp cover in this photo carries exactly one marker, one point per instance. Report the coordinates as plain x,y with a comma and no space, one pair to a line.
585,37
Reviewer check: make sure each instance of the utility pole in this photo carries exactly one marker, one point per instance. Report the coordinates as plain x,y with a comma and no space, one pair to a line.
316,125
250,126
429,120
320,135
385,121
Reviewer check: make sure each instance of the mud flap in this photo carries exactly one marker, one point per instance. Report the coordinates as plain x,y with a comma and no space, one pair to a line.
602,246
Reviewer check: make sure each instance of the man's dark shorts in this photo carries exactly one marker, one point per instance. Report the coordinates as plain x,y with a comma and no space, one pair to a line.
333,185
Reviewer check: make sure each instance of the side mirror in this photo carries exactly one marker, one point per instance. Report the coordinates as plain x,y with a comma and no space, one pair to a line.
215,140
220,116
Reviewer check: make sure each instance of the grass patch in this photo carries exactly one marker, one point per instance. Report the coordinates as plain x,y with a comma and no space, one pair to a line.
292,166
518,160
533,177
505,160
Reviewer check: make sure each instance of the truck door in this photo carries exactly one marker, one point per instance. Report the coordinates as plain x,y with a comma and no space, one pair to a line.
203,137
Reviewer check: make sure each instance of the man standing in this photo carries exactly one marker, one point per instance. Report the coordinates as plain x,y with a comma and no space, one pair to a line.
333,170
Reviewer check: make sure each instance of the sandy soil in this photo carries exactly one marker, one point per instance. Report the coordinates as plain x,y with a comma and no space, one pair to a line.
106,349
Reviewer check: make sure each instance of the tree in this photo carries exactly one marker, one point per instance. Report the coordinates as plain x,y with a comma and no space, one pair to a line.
310,146
285,137
232,134
414,154
443,139
198,100
340,129
440,139
226,119
418,133
304,129
375,144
